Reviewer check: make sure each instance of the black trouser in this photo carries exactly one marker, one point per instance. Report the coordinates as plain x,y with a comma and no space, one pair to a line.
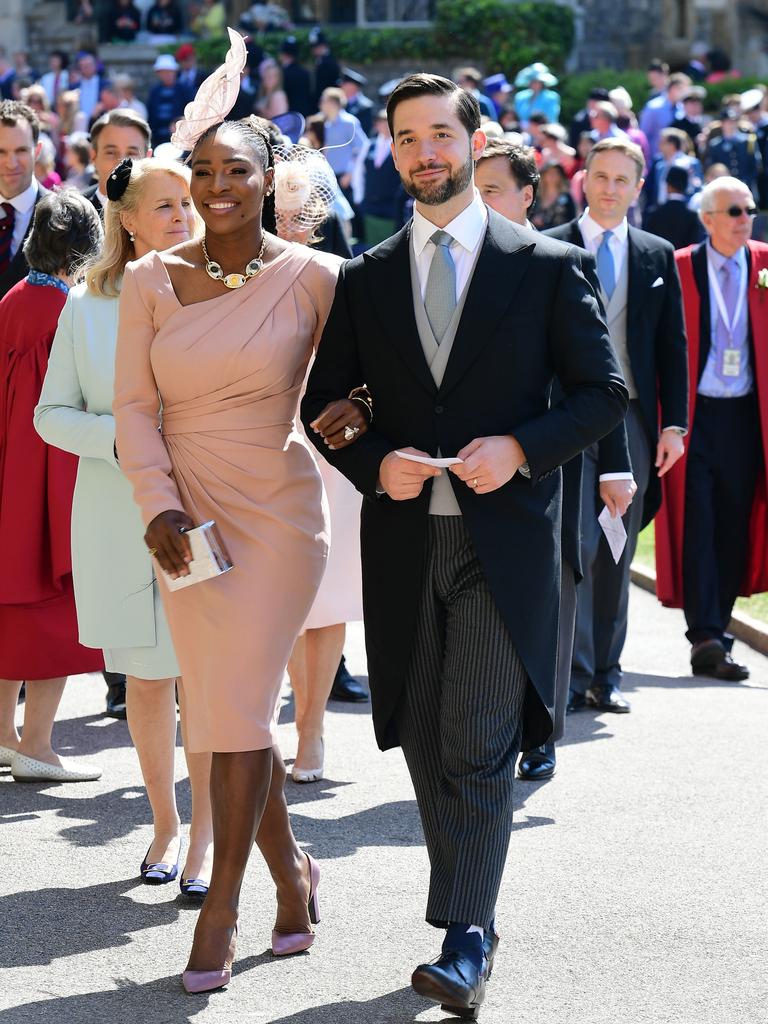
723,463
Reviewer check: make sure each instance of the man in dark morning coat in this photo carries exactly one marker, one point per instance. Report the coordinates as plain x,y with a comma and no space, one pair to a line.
20,191
458,334
507,177
641,295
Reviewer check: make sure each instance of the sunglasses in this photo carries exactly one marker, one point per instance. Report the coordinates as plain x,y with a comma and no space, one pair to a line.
736,211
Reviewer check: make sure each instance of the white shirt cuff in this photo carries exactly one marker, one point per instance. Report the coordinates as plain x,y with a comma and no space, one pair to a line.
615,476
680,430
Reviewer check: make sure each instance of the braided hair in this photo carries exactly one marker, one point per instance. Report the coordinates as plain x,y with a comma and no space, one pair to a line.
258,139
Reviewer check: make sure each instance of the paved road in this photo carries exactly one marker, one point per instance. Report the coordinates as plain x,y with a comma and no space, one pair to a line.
635,888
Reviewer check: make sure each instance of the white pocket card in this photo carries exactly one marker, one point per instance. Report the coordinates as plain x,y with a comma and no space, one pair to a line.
209,557
658,282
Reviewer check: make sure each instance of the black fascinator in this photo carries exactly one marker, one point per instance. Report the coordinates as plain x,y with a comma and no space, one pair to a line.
117,182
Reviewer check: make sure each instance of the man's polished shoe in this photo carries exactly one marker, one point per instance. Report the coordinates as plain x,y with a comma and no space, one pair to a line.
576,702
454,981
115,694
710,658
537,764
490,946
608,698
346,687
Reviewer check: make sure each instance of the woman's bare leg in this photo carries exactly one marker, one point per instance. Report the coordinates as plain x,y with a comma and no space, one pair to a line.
200,852
40,706
151,707
240,784
286,862
9,698
322,653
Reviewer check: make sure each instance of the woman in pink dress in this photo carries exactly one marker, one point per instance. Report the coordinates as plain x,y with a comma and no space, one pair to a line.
218,333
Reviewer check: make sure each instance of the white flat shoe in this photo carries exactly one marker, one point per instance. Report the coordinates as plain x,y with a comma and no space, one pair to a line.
28,769
6,757
307,774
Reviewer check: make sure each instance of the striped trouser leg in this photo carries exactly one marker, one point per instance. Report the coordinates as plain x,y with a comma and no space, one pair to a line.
460,726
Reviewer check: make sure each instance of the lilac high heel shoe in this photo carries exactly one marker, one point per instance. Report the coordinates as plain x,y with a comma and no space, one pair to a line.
208,981
287,943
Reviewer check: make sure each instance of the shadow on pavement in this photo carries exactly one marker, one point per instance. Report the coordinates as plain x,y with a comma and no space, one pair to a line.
392,1008
53,923
105,816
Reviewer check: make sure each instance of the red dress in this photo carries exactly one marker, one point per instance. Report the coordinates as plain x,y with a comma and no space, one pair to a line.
38,623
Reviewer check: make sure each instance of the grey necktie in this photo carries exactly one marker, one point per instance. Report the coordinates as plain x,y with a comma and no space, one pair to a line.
440,296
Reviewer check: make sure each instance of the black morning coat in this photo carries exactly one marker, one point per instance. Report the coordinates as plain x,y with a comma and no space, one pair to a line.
657,347
529,314
17,270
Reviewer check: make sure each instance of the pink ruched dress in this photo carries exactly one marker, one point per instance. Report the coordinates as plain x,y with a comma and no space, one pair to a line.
227,373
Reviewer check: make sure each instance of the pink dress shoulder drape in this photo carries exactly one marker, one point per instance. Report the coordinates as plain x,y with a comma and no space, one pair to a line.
227,374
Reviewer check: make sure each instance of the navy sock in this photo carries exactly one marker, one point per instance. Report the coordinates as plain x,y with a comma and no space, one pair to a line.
470,944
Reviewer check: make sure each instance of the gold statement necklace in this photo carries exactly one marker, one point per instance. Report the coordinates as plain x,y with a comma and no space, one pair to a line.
253,268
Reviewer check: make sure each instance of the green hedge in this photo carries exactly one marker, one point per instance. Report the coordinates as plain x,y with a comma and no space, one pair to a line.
496,35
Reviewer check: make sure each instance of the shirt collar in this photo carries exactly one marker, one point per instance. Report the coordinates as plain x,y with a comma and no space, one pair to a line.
717,259
592,231
467,228
24,201
102,198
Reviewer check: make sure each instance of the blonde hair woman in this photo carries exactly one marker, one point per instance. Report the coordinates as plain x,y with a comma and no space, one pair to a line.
117,598
272,100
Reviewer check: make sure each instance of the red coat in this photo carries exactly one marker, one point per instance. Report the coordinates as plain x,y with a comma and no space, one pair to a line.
669,521
38,623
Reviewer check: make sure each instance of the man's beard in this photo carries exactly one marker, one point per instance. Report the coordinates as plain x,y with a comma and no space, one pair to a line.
434,193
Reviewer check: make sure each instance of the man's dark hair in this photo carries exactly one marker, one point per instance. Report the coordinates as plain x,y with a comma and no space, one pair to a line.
63,57
676,136
66,231
12,111
677,180
122,117
422,84
522,162
538,118
659,65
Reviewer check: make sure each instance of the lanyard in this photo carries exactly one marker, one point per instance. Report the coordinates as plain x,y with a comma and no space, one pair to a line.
714,284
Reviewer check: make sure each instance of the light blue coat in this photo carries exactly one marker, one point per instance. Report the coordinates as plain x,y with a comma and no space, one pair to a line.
111,568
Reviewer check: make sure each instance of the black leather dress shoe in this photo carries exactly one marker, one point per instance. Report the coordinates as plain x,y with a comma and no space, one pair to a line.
115,695
454,982
538,764
608,698
346,687
490,945
576,702
710,658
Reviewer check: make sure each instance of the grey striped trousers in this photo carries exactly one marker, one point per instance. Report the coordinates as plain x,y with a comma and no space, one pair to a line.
460,725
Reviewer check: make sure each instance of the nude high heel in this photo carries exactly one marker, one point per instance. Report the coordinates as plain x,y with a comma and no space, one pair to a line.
287,943
209,981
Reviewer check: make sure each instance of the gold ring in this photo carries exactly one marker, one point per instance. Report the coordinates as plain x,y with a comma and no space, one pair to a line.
152,551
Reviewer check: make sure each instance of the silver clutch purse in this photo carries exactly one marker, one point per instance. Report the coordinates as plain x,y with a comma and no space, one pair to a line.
209,557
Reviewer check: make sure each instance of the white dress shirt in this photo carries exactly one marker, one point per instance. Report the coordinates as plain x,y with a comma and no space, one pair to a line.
592,233
467,231
24,205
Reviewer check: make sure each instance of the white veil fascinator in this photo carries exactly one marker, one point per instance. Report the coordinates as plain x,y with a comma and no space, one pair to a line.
215,97
304,189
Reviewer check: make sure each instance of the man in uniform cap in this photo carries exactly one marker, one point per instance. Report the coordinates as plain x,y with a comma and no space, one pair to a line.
691,119
327,70
754,104
296,79
352,83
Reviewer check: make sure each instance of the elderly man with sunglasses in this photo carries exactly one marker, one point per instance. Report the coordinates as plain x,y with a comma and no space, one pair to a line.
712,532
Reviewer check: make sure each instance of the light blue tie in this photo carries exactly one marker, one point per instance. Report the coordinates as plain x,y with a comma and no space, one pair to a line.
440,294
606,268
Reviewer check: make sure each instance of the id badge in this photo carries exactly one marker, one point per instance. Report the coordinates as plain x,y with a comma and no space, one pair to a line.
731,362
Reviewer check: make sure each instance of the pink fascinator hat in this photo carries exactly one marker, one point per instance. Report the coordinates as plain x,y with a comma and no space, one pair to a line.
215,97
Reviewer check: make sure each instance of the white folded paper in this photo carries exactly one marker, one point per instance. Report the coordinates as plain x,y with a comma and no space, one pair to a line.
209,557
614,531
426,461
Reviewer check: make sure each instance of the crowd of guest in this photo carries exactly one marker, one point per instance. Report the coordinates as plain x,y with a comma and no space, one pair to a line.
111,239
